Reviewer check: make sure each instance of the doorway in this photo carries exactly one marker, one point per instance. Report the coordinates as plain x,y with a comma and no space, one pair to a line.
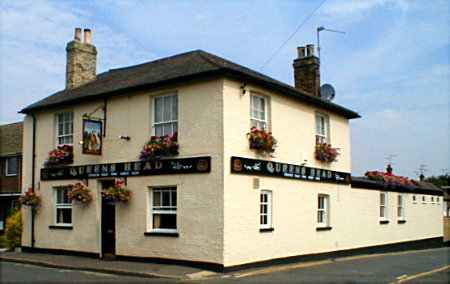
108,223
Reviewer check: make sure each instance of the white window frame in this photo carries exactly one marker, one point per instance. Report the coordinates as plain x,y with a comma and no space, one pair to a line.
7,167
255,121
325,210
322,137
162,122
61,206
64,135
414,199
153,211
269,224
401,215
385,206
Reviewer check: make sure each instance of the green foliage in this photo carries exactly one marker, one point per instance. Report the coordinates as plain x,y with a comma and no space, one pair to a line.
13,232
441,180
3,242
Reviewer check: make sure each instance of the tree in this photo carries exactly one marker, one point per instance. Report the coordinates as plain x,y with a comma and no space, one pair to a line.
441,180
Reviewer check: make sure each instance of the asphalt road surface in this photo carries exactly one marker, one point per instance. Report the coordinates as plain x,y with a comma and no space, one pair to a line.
411,267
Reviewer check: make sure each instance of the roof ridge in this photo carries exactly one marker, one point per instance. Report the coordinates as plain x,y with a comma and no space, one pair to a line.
155,61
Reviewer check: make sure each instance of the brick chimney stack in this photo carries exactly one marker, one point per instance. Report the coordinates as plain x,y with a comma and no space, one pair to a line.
307,70
81,60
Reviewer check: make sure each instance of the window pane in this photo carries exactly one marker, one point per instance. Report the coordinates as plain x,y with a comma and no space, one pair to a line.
164,221
175,127
159,130
158,109
12,166
167,108
381,211
165,198
167,129
174,107
174,198
64,216
156,198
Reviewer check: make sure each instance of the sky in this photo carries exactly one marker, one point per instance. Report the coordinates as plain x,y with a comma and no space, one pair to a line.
391,65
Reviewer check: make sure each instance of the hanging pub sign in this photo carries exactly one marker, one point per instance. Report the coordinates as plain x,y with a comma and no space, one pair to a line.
129,169
92,137
275,169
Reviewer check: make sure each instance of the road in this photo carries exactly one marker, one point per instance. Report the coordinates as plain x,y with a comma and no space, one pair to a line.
411,267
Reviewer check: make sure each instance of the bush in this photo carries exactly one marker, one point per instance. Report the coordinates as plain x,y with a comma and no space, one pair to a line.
13,232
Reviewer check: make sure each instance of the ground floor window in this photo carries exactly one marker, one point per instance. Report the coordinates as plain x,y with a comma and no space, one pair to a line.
383,205
63,207
164,209
400,207
323,208
265,209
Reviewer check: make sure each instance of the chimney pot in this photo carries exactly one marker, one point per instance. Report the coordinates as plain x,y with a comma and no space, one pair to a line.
301,51
87,36
310,50
77,36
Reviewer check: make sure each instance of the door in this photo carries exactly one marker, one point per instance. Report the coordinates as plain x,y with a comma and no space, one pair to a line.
108,223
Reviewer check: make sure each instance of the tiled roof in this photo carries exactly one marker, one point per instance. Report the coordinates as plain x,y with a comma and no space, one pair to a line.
11,138
191,65
420,188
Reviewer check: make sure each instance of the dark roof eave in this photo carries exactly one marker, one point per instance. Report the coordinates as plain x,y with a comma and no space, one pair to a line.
364,183
349,114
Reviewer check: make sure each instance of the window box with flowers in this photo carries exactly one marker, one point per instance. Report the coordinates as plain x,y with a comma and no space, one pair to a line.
325,152
117,193
80,193
160,146
62,155
261,141
30,198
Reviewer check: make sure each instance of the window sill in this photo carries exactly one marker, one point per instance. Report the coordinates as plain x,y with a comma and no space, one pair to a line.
328,228
163,234
401,221
384,222
265,230
59,227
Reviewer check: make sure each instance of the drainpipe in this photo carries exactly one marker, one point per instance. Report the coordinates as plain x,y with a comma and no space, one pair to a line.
33,177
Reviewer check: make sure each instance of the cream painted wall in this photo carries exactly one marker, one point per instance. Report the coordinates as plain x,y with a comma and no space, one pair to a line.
200,133
354,212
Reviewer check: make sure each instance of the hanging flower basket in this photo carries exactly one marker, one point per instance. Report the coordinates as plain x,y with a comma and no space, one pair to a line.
30,198
261,141
160,146
80,193
62,155
117,192
325,153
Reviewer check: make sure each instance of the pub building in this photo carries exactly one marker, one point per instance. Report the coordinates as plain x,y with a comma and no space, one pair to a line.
197,160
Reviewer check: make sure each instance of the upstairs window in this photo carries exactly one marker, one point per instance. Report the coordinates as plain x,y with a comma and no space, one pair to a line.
164,209
64,128
383,205
258,112
165,120
323,209
11,166
63,207
400,207
265,209
322,128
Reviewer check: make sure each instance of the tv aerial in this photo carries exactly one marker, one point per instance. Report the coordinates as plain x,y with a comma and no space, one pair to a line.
322,28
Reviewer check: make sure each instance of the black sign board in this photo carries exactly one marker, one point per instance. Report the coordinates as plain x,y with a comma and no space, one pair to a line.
275,169
129,169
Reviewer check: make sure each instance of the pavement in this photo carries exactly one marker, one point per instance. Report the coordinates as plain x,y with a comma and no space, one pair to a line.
129,268
424,266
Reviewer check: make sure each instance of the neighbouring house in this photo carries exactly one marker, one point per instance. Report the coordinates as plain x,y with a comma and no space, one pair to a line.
10,168
446,190
195,159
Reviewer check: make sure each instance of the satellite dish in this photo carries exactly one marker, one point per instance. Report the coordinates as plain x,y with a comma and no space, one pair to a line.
327,92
